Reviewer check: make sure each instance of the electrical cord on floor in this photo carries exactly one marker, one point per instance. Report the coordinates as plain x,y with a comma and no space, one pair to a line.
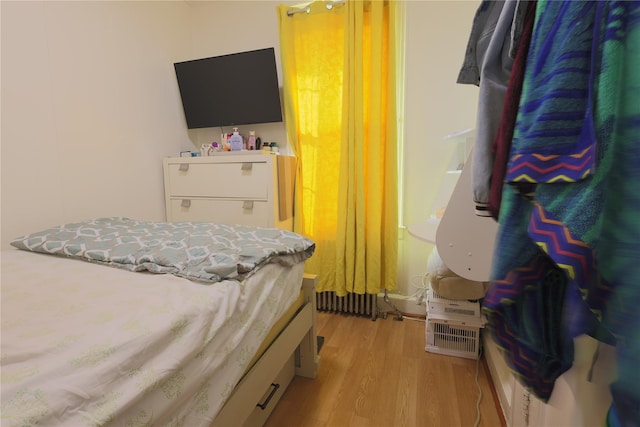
398,315
416,318
477,423
423,287
407,316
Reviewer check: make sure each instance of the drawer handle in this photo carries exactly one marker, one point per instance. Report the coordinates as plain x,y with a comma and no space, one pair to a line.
247,166
247,204
186,203
183,167
263,405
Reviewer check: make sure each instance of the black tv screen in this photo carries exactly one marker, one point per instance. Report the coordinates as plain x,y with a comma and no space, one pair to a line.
229,90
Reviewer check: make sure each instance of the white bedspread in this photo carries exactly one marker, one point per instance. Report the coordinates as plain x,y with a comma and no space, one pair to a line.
85,345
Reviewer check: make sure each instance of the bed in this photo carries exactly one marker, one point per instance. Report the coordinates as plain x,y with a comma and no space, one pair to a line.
199,324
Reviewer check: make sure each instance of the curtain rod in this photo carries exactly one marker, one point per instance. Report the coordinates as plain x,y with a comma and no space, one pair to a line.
329,5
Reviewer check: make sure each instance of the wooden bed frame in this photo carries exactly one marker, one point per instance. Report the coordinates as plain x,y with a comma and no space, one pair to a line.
293,352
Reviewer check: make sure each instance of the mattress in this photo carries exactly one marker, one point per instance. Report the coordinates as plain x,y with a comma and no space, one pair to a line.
86,344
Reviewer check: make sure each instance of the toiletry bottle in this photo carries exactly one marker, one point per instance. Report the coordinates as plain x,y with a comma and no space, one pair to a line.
251,144
224,145
236,142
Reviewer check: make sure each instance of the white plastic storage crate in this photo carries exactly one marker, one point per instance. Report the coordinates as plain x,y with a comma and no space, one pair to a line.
454,335
437,304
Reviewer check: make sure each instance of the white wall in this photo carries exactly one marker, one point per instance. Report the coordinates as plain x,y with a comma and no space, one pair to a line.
435,106
89,108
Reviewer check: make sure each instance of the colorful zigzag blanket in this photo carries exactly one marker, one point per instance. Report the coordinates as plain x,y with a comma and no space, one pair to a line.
567,258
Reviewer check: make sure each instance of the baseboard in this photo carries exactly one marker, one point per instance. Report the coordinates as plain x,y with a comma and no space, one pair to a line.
494,392
501,378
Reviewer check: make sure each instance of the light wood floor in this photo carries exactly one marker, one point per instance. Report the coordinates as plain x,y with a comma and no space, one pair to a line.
379,374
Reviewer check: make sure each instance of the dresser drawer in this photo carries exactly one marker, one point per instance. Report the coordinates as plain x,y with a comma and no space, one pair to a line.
249,212
249,180
219,188
272,395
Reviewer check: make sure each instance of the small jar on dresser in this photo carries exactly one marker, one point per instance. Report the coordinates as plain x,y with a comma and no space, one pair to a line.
244,188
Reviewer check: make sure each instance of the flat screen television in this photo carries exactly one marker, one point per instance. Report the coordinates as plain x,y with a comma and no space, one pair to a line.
230,90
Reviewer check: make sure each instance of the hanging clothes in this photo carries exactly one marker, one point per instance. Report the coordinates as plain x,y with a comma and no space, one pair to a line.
502,143
567,257
496,30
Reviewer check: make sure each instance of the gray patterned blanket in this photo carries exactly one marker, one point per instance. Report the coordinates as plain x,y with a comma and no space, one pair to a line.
207,252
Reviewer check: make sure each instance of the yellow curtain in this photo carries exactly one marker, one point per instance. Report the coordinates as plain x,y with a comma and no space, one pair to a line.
339,78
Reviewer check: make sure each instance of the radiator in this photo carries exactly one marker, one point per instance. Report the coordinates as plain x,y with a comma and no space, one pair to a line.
352,303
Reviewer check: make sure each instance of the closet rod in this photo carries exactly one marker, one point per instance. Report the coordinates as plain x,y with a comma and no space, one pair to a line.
329,5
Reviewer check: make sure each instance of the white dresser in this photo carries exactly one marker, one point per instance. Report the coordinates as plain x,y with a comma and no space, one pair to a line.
244,188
